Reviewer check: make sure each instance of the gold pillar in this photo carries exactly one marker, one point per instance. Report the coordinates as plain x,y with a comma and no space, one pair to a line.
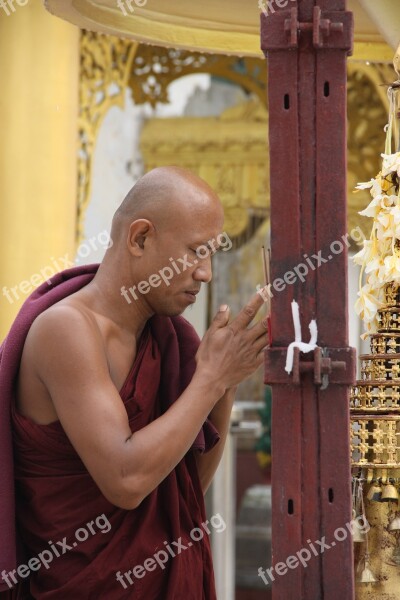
39,67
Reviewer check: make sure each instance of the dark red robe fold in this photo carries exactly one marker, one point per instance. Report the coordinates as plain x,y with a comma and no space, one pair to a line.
60,509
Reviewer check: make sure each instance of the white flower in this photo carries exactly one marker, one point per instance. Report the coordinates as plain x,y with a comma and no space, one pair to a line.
379,255
388,223
391,164
374,264
370,328
374,185
366,254
367,304
375,279
391,268
384,247
384,229
376,189
366,185
380,202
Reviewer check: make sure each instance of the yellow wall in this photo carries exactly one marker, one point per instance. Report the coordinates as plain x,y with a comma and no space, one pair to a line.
39,72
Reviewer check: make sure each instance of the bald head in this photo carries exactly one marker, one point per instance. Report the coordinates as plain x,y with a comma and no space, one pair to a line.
161,195
164,235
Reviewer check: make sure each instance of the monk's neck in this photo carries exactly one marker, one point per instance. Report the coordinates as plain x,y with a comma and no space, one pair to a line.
104,296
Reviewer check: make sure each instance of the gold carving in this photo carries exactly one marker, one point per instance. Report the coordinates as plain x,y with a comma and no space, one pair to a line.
109,65
230,152
106,63
373,441
154,68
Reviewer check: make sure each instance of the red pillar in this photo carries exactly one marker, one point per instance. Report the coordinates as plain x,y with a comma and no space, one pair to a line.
306,44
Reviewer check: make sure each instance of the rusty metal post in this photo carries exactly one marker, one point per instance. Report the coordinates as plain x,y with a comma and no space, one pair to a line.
306,44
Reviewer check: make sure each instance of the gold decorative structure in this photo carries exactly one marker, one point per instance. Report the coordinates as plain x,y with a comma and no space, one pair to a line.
375,399
229,152
375,451
105,69
110,65
154,68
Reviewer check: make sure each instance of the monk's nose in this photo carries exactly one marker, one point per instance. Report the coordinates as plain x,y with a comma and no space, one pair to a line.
203,271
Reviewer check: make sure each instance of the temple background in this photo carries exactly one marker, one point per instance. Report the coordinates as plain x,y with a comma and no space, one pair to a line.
83,115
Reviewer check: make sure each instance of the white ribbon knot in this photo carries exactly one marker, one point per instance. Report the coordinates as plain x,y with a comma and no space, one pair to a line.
303,347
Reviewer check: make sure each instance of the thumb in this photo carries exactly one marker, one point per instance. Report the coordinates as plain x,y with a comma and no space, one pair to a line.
222,316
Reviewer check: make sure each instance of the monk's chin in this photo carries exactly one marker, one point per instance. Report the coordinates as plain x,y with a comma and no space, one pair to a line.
174,308
170,311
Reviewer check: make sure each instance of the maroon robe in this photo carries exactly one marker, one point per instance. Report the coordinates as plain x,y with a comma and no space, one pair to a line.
56,498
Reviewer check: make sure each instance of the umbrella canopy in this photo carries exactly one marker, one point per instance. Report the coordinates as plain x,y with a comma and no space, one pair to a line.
215,26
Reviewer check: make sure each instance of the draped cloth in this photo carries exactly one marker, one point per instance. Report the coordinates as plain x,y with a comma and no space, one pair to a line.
59,508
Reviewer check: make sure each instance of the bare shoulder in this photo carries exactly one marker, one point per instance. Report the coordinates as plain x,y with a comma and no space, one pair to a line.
67,334
63,319
63,346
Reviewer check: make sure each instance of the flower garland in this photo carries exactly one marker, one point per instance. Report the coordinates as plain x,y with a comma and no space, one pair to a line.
380,255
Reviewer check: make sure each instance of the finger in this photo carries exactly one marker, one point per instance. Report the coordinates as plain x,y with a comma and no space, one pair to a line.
221,318
260,357
248,312
260,343
260,329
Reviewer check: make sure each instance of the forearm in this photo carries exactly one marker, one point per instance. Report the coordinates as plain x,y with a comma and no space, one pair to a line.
220,417
151,453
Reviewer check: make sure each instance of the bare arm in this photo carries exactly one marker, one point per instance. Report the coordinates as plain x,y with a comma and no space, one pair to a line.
70,361
220,417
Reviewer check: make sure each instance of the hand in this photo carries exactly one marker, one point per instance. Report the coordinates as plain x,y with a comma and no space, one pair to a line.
230,352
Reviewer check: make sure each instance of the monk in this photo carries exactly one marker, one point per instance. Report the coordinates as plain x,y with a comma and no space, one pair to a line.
120,414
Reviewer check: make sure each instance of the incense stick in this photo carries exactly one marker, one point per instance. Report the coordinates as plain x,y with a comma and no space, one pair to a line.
265,265
267,278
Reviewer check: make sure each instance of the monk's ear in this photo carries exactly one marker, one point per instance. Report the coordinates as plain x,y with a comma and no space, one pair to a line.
139,232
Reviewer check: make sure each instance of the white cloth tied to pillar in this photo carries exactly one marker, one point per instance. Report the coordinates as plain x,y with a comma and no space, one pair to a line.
303,347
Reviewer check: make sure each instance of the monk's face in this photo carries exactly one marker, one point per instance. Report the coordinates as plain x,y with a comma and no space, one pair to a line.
179,255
